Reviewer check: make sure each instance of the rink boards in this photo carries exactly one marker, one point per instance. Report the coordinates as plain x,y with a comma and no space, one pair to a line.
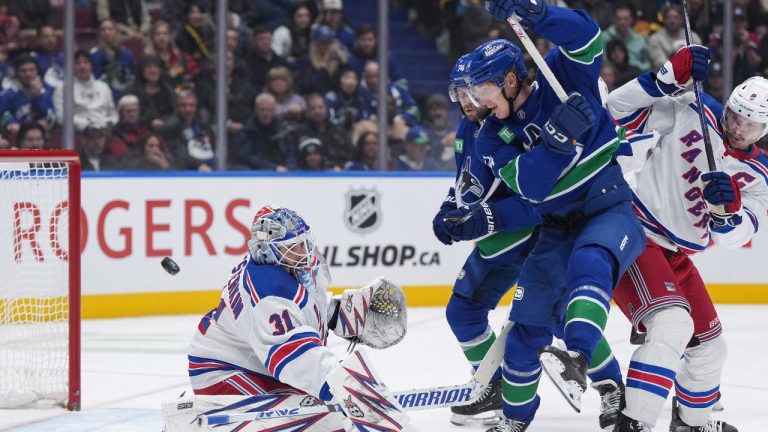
365,225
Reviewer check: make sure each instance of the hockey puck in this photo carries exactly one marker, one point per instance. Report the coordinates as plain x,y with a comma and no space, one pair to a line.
170,265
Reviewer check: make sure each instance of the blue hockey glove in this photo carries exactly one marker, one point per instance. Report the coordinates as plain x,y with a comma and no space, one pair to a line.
438,226
689,61
530,12
722,190
484,221
568,121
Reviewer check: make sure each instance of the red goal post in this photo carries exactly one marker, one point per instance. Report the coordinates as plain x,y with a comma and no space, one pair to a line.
40,283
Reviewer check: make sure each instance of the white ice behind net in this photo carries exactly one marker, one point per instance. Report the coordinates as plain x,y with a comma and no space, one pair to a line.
34,287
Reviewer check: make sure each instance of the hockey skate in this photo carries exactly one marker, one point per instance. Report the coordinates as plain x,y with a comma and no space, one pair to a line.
509,425
568,370
485,411
626,424
611,402
677,424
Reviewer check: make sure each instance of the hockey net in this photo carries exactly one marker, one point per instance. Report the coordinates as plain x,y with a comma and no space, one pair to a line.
40,283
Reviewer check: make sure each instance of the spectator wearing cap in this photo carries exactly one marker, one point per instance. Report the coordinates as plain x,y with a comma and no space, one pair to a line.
261,144
406,105
189,135
441,132
157,100
336,149
366,154
112,62
715,84
414,156
129,128
636,44
28,99
93,98
178,65
92,154
292,41
50,61
311,155
333,17
290,106
326,57
365,52
345,105
151,153
665,42
31,136
130,16
196,35
260,57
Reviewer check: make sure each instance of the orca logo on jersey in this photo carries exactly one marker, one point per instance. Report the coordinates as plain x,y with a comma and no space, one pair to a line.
468,186
363,210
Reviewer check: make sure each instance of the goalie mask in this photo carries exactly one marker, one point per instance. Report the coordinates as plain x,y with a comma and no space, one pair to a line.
280,236
745,117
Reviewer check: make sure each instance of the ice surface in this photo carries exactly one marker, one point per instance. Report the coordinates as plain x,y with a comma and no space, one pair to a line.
131,365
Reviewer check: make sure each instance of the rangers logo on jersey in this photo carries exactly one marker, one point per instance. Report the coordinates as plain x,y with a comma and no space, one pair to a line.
363,213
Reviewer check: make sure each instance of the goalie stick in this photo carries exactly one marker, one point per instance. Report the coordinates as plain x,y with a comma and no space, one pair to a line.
410,400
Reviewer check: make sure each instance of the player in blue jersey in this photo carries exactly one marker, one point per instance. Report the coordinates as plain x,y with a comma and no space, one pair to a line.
492,268
494,265
560,157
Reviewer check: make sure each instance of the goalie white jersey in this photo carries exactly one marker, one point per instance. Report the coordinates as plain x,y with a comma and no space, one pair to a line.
668,160
269,330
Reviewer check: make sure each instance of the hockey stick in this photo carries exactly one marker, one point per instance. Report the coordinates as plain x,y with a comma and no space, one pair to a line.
699,104
537,58
410,400
491,190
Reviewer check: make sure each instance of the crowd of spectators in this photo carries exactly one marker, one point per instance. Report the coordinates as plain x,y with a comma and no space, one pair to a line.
300,83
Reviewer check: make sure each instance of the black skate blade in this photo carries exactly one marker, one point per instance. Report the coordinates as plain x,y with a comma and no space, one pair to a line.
549,363
478,420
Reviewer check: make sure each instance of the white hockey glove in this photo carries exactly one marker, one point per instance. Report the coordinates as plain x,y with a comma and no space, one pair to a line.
374,315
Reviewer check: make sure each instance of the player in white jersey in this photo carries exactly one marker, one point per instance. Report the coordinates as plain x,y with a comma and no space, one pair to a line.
684,207
269,331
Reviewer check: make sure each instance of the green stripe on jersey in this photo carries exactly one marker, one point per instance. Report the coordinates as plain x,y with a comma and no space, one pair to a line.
476,353
601,353
584,170
519,394
508,173
589,52
498,243
586,309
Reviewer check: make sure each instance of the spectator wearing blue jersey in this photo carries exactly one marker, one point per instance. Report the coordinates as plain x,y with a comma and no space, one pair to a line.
404,103
112,62
345,105
49,59
28,99
189,135
333,17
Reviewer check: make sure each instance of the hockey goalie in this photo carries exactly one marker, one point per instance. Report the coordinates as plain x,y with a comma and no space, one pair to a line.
263,348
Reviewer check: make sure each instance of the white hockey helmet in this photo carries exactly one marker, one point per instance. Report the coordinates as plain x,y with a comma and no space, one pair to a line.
749,103
280,236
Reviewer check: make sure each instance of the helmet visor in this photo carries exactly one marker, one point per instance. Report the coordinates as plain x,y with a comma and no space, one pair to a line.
459,94
483,93
741,131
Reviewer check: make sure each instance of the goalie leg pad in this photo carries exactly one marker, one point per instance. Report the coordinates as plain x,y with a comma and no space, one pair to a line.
366,401
374,315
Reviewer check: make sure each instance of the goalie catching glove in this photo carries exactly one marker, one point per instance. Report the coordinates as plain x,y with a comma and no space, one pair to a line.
374,315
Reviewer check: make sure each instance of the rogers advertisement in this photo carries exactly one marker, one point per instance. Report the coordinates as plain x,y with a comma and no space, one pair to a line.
365,226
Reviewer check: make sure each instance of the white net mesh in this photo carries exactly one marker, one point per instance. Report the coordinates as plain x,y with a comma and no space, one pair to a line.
34,287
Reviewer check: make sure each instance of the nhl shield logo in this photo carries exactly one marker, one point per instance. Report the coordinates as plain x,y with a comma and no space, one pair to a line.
363,213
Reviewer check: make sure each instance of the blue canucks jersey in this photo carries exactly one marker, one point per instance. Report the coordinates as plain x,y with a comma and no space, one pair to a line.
556,183
473,179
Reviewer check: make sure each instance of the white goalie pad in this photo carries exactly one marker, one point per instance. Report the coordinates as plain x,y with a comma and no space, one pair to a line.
374,315
252,414
365,400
